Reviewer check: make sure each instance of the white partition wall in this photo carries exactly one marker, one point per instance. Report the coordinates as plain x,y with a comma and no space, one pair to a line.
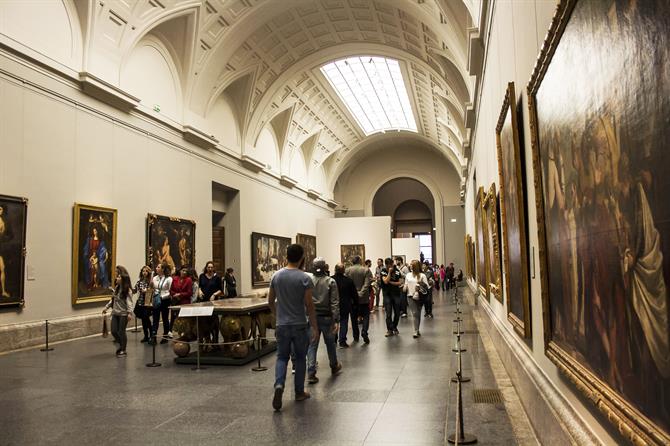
373,232
408,247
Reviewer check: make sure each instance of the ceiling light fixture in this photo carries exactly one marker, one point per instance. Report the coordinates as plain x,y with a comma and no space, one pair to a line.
374,92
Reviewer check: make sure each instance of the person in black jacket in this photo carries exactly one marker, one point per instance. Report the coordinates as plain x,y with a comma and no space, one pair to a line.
348,299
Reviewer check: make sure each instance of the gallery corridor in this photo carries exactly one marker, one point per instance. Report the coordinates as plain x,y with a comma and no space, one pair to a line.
393,391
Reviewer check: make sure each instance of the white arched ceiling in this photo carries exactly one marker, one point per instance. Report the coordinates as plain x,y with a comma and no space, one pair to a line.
273,49
54,33
266,150
163,87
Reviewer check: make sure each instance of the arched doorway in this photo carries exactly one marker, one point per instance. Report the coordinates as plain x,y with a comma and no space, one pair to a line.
411,206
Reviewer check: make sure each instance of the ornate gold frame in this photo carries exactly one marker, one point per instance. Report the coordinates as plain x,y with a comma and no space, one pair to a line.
76,299
522,327
629,421
21,302
482,276
491,217
151,220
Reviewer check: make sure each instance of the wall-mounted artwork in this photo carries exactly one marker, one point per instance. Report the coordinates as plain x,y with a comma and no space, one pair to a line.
308,242
469,257
493,243
402,256
602,176
93,253
170,240
513,215
348,252
482,250
13,219
268,255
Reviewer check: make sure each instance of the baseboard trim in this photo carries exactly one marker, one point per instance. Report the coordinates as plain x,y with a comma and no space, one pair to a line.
553,418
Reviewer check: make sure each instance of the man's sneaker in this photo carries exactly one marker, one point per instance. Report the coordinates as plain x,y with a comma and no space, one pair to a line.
122,353
337,369
344,345
396,332
170,335
389,333
366,340
312,379
276,400
302,396
416,334
403,315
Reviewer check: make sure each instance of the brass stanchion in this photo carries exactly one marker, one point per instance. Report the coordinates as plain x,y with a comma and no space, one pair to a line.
460,437
46,347
153,362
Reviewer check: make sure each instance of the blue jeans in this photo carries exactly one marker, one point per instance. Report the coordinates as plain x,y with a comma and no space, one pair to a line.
291,339
392,308
325,325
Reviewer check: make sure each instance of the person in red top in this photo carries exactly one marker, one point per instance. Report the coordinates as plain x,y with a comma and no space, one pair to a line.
180,291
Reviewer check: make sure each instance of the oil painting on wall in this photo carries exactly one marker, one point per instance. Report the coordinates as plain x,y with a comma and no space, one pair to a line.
512,212
308,242
602,175
348,252
13,219
480,227
93,253
170,240
268,255
493,243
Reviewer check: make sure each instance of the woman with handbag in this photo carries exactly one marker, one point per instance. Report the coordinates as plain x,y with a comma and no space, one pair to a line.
143,305
121,304
417,290
160,301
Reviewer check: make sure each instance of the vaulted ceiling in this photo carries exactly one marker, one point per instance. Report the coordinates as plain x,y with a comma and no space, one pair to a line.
266,55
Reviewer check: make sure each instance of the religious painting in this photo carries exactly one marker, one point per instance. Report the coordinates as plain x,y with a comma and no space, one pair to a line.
13,219
93,253
513,216
308,242
493,243
469,257
602,175
482,250
268,255
348,252
170,240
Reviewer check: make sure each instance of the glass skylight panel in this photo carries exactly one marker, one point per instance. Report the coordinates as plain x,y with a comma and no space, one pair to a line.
373,90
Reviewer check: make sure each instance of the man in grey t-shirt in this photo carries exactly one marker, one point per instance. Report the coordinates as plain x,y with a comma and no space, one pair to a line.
290,298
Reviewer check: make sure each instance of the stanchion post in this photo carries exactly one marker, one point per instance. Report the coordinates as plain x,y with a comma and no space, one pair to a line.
46,347
259,367
135,330
459,372
197,352
460,437
153,362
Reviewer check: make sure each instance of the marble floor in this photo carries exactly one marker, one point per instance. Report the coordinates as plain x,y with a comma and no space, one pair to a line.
395,391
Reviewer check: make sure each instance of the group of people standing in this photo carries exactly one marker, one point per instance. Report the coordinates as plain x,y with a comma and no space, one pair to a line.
159,290
311,305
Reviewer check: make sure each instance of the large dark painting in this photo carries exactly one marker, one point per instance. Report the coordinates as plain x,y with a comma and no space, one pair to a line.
599,102
308,242
482,250
93,253
348,252
13,214
268,255
492,243
170,240
512,211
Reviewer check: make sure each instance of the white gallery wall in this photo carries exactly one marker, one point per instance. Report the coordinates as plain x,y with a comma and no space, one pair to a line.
59,146
373,232
517,34
408,247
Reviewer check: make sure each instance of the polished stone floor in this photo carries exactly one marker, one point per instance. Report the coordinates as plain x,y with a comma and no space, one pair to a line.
395,391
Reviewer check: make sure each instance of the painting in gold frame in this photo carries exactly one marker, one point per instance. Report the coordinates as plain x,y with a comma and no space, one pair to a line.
493,243
13,223
482,247
93,253
308,242
170,240
512,215
601,177
348,252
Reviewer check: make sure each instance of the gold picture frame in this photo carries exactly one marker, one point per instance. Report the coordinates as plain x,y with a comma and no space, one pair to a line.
481,245
493,244
13,225
513,215
601,124
170,240
93,253
308,242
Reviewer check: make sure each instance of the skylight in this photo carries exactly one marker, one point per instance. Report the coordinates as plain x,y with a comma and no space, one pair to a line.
374,91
